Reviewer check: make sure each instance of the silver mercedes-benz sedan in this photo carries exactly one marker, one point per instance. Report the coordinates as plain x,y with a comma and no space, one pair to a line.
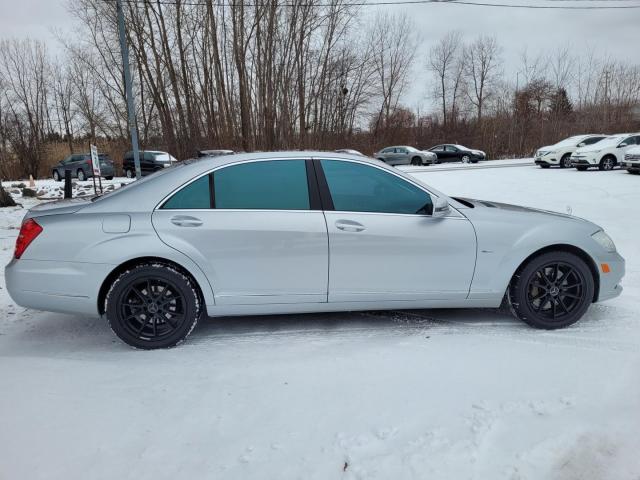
300,232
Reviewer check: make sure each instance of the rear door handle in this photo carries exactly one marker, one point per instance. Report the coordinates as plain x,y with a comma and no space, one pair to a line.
186,221
349,226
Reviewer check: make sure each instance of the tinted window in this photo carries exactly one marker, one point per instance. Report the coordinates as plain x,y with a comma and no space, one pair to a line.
451,148
194,195
270,185
592,140
356,187
401,150
438,148
629,141
388,150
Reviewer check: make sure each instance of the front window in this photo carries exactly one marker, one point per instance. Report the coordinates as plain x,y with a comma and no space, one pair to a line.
355,187
592,140
411,149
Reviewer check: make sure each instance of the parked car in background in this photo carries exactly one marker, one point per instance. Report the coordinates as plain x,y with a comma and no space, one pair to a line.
349,151
632,160
82,168
560,153
292,232
405,155
150,161
213,153
457,153
605,154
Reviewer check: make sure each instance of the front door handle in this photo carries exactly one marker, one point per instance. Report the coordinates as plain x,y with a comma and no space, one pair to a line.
186,221
349,226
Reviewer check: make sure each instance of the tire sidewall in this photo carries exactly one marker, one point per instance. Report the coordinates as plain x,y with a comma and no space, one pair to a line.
183,284
518,291
81,174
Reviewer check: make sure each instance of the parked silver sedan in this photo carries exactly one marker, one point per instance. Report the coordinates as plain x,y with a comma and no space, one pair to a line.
300,232
405,155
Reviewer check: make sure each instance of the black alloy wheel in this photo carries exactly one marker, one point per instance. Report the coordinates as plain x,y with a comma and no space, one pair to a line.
153,306
552,291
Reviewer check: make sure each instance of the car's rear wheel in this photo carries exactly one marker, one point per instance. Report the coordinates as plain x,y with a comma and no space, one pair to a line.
551,291
81,175
128,173
153,305
607,163
466,159
565,161
416,161
56,176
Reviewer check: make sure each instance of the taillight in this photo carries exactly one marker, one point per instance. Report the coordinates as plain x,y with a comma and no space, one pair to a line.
89,161
28,233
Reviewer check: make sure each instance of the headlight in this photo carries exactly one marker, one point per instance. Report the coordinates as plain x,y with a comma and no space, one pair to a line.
604,241
550,152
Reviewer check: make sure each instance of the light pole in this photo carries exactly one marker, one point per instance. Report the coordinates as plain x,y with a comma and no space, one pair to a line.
124,49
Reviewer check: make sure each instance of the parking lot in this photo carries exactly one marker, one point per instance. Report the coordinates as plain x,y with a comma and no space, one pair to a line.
443,394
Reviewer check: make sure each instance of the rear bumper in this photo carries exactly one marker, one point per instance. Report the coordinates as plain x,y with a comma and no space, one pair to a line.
67,287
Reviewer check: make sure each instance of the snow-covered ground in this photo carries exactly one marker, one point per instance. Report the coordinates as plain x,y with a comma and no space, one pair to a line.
458,394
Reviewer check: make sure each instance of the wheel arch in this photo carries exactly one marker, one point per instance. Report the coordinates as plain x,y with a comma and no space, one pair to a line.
563,247
131,263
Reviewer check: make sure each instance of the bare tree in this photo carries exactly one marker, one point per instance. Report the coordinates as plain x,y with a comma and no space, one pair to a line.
482,64
442,62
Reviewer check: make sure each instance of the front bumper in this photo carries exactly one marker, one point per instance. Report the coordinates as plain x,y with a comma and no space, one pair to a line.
610,286
635,166
546,160
582,162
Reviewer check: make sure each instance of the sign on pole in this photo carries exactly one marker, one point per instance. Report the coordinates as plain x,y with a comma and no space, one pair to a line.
95,161
95,166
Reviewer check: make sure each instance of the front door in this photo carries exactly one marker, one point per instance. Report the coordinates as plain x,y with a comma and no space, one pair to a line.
384,243
251,228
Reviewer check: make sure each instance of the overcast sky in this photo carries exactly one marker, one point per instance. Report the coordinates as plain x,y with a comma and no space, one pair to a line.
614,33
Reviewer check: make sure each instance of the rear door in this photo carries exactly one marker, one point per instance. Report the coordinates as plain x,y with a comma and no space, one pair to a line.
256,229
384,243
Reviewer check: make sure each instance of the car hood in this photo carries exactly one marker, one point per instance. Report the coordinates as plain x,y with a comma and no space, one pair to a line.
523,212
546,148
589,149
58,207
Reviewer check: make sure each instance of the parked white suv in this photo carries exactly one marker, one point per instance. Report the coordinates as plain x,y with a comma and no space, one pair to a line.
560,153
632,160
605,154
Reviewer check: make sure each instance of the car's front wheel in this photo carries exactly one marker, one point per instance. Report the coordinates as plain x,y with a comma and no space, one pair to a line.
551,291
56,176
81,175
466,159
153,305
565,161
607,163
416,161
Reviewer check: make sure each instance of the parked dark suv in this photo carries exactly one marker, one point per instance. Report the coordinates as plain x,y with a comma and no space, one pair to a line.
150,161
81,167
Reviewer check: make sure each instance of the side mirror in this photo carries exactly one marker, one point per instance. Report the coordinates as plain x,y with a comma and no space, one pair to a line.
441,208
622,145
581,144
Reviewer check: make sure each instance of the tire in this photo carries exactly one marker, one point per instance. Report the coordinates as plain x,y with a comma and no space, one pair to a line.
466,159
416,161
607,163
565,161
110,177
552,290
81,175
138,314
582,169
128,173
56,176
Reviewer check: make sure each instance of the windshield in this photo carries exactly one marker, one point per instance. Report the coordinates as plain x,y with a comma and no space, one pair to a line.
571,141
609,142
411,149
143,180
